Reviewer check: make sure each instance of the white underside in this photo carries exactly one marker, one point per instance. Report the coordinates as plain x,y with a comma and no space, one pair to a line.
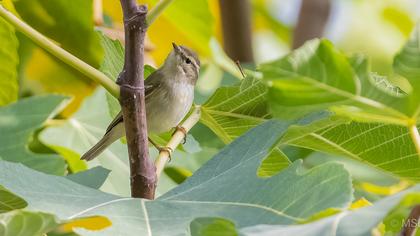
168,107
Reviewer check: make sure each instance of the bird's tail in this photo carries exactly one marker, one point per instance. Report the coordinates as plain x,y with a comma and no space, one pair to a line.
105,141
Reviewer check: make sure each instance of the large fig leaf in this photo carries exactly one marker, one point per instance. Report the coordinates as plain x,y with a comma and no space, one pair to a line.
226,187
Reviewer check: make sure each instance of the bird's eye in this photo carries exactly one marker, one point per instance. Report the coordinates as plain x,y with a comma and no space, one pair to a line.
188,61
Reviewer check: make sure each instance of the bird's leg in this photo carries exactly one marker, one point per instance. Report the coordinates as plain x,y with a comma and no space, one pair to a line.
183,130
162,149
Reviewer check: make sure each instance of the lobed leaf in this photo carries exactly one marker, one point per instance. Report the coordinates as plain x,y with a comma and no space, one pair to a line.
317,76
387,148
224,187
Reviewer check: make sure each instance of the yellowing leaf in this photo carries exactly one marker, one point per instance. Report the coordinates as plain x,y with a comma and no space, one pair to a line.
54,77
385,190
362,202
91,223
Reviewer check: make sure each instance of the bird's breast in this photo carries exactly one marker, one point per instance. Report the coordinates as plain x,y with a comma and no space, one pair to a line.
168,106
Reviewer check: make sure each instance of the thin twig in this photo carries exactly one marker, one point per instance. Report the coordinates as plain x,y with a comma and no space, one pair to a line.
142,170
60,53
415,136
412,222
98,18
176,139
238,64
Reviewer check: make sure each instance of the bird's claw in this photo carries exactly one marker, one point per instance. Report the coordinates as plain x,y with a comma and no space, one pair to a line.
182,130
166,149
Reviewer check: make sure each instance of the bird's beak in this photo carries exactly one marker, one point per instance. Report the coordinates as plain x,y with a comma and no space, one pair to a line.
176,48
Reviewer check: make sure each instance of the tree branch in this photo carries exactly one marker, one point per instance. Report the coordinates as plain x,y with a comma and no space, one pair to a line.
131,80
237,32
177,139
411,223
60,53
313,17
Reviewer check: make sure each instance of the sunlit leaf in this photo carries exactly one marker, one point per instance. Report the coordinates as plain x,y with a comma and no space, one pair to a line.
70,24
9,201
387,148
317,76
231,111
192,28
8,63
407,63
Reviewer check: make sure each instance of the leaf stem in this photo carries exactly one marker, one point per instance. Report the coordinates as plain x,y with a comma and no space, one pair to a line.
60,53
415,136
177,138
157,10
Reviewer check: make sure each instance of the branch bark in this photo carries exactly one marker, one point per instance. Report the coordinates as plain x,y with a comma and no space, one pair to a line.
131,80
313,17
237,31
412,222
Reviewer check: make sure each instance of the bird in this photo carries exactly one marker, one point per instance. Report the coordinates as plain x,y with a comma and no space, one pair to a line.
169,95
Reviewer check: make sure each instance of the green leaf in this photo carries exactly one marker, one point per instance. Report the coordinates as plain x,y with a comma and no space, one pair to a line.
82,131
67,22
212,227
112,66
310,78
387,148
407,64
93,178
25,223
224,187
8,63
18,121
9,201
231,111
70,24
196,26
317,76
358,222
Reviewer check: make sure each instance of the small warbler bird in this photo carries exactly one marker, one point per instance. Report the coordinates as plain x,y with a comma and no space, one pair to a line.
169,94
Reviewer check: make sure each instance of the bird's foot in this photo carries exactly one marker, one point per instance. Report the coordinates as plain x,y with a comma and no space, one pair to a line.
166,149
182,130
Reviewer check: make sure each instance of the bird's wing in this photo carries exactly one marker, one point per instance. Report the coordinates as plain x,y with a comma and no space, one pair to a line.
150,85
